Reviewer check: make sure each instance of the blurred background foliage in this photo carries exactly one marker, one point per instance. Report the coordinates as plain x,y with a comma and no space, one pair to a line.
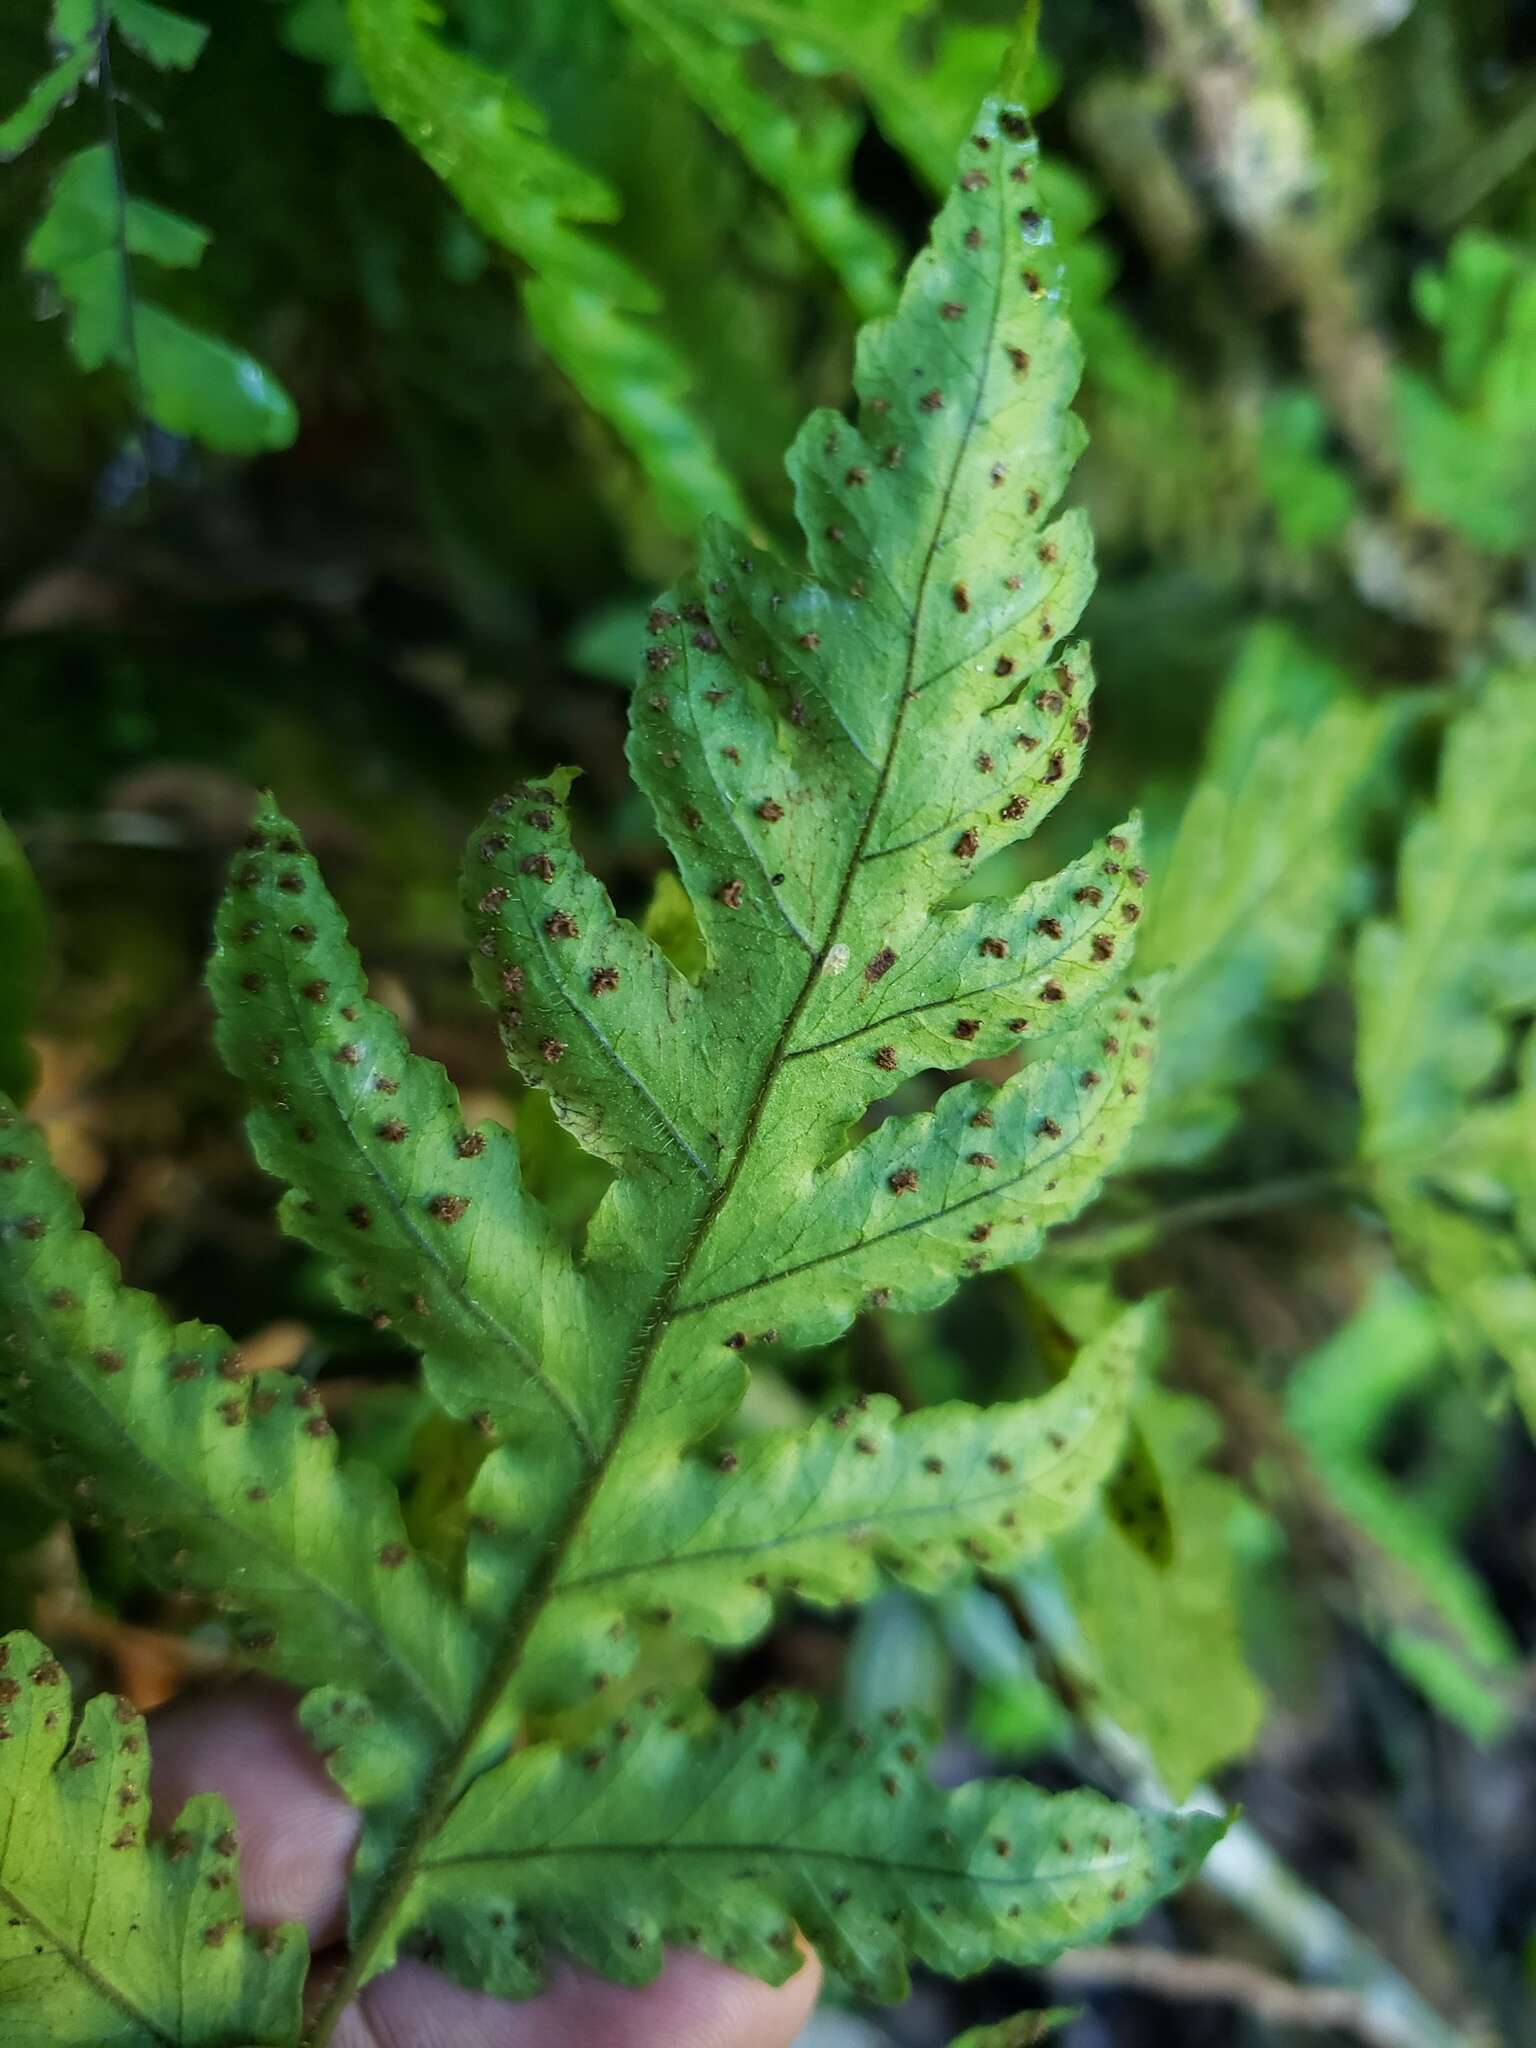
369,367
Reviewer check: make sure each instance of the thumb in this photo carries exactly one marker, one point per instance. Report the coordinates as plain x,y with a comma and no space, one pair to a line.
297,1835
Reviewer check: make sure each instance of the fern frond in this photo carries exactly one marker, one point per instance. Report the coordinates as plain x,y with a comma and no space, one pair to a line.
1427,1607
829,758
1442,990
186,380
829,754
922,73
1441,982
1266,868
586,304
106,1936
1145,1623
729,1839
74,52
806,160
1468,437
227,1480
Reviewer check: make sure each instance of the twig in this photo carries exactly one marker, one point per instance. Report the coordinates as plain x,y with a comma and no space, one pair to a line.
1161,1973
1319,1943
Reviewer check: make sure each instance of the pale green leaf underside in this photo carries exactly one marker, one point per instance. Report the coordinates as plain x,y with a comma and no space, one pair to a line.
728,1840
416,1209
107,1940
829,759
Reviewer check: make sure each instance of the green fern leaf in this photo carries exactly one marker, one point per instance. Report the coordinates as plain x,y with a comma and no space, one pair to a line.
820,1513
187,381
1468,438
75,55
806,160
1428,1608
168,41
104,1936
75,33
1133,1492
1266,867
586,304
1441,989
348,1112
190,382
729,1839
921,72
228,1480
388,1179
829,760
1145,1624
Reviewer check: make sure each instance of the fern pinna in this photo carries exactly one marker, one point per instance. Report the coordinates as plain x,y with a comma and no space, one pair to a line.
830,756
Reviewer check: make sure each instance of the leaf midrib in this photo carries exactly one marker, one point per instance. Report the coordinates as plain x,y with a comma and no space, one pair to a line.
440,1792
670,1847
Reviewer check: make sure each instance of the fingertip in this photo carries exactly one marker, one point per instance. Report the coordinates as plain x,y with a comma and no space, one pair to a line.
694,2003
297,1835
297,1832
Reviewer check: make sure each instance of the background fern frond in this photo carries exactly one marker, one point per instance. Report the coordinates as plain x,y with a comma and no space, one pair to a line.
586,304
1268,866
805,155
94,233
1444,1063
